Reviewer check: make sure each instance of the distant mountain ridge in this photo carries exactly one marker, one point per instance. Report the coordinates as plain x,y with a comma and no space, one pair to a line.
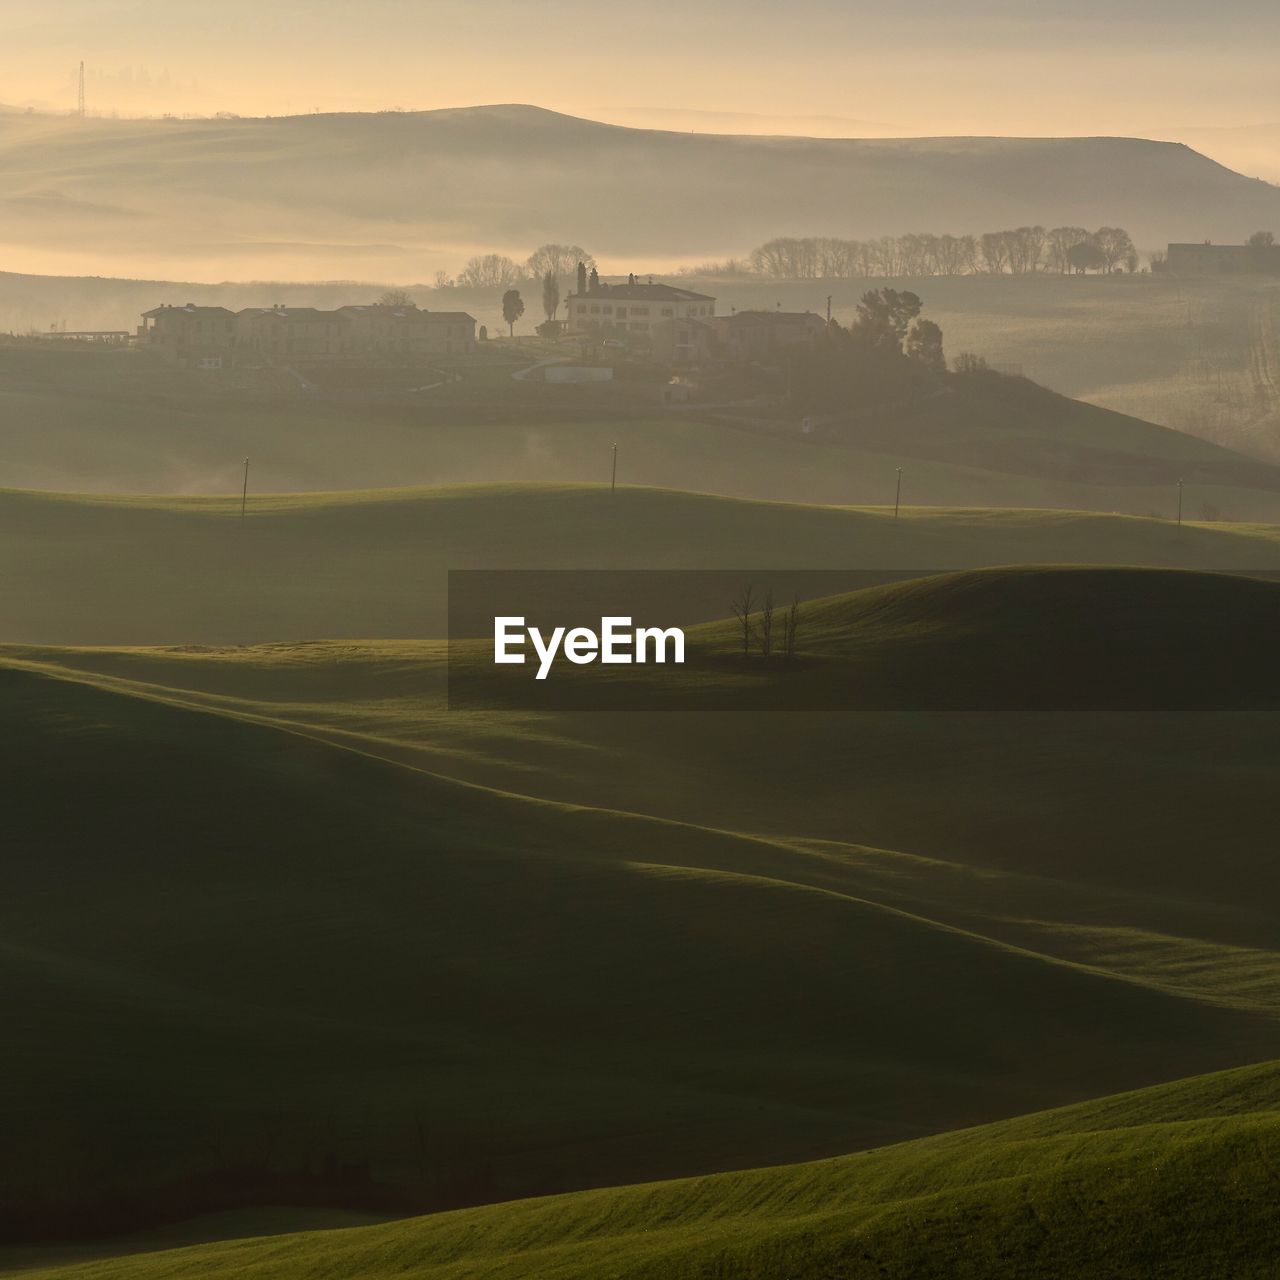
398,195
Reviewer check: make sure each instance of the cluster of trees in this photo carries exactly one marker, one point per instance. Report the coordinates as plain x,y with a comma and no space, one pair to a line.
764,628
497,271
1021,251
889,354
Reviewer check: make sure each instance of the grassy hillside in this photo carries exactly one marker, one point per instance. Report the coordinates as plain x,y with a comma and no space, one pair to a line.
1173,1180
348,565
115,422
311,974
398,195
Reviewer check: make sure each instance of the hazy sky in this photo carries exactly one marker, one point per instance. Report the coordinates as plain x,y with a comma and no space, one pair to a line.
823,66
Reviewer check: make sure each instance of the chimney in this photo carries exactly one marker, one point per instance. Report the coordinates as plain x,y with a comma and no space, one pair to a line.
582,278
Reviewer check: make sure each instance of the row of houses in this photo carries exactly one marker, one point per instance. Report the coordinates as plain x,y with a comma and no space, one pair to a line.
671,325
194,337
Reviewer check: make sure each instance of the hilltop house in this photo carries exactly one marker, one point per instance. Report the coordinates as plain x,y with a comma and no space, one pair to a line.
760,336
631,309
192,337
1223,259
195,337
743,337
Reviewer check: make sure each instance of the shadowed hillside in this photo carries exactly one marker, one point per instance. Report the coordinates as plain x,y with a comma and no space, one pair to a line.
396,195
314,976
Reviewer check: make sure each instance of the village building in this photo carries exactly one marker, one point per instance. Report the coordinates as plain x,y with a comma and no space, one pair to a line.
1207,258
759,337
682,342
631,310
195,337
743,337
191,337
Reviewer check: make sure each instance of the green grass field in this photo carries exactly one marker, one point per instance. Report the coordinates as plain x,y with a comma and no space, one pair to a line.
327,943
1177,1181
101,570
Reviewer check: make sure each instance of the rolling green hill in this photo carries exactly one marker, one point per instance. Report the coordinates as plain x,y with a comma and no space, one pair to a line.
312,967
373,564
1176,1181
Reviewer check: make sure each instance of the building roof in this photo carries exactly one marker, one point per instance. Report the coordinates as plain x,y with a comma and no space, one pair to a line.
189,309
642,293
688,322
315,313
293,313
409,313
771,317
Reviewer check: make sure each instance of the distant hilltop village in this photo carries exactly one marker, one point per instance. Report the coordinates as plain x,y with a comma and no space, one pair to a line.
194,337
669,325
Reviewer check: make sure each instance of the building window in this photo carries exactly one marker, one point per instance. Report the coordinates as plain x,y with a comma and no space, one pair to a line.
595,310
639,311
666,311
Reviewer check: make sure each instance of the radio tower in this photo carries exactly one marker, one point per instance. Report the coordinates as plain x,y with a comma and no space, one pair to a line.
80,103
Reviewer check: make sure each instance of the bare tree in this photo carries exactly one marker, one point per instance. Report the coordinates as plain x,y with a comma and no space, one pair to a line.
559,259
489,271
1061,240
395,298
442,280
1026,250
994,247
791,628
1114,244
742,606
969,363
766,625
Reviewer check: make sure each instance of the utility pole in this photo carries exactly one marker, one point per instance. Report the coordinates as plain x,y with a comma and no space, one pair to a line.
244,493
897,497
80,101
613,480
1179,504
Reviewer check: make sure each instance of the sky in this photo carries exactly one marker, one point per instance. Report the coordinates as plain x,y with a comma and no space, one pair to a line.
833,67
